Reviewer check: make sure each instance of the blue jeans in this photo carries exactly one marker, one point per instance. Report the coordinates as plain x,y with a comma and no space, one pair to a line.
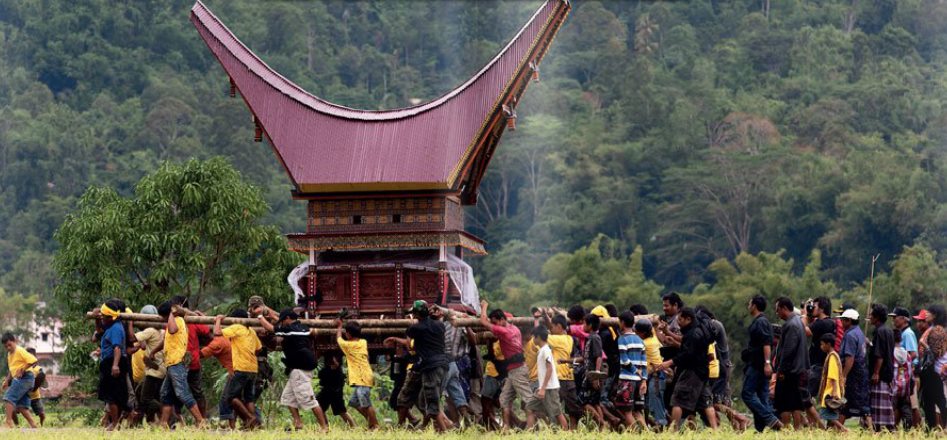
656,399
19,392
756,397
174,389
452,385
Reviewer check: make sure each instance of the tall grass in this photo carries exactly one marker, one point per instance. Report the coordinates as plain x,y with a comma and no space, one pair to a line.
397,434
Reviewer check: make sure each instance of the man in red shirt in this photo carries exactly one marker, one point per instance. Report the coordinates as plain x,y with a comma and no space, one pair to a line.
517,375
219,348
195,334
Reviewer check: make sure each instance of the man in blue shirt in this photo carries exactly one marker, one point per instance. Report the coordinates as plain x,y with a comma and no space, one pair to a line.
854,368
632,387
902,322
113,367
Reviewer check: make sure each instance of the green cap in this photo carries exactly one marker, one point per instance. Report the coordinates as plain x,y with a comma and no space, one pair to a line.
419,305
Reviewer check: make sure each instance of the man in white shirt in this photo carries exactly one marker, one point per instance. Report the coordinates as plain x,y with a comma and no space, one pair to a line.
547,395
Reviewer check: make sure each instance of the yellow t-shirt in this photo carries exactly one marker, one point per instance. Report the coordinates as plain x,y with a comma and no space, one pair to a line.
356,355
491,370
652,352
831,378
150,339
175,345
714,366
138,366
35,394
530,350
561,346
244,344
19,360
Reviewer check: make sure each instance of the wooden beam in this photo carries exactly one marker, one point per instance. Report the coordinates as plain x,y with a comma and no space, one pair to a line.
329,323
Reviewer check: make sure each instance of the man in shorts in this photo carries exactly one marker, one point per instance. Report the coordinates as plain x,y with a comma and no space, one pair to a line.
517,375
331,382
632,386
300,360
244,344
792,367
692,391
547,394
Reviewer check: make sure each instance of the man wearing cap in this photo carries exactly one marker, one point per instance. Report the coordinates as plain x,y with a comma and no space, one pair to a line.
299,357
150,344
854,369
429,343
902,322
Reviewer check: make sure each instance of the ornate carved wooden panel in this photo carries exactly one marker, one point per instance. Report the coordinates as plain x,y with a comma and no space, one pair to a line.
421,285
376,285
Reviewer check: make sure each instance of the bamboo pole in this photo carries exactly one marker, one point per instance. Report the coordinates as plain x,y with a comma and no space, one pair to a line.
377,331
330,323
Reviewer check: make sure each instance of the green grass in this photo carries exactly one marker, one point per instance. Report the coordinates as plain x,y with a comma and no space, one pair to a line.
396,434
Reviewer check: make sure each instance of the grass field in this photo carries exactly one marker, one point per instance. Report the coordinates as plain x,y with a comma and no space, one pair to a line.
392,434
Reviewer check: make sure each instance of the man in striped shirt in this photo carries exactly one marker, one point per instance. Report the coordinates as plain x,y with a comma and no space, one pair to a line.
632,386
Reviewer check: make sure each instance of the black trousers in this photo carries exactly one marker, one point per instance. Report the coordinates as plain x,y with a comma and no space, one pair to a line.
932,397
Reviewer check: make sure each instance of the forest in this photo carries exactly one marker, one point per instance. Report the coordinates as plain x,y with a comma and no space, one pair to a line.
719,149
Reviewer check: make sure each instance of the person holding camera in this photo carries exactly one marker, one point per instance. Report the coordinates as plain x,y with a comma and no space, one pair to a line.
817,322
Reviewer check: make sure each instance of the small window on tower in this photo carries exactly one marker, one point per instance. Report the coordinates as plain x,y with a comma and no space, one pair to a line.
396,218
45,337
356,219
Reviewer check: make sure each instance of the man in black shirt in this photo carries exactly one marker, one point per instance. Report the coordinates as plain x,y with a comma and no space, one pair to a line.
756,367
817,322
428,337
331,383
881,366
792,364
692,391
300,361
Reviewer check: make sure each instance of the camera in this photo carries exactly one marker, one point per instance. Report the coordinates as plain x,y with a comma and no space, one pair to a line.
810,306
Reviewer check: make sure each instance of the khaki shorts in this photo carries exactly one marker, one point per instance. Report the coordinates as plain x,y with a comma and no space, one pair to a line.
516,384
549,405
298,391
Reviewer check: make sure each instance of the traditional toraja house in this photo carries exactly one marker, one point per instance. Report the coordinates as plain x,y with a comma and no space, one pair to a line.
386,189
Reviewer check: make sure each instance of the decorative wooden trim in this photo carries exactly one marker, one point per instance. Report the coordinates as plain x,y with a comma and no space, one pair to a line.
399,290
303,243
355,298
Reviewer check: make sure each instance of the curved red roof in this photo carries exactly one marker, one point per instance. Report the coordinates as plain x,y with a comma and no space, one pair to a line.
328,148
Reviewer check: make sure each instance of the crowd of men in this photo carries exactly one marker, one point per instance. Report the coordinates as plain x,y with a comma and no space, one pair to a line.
647,373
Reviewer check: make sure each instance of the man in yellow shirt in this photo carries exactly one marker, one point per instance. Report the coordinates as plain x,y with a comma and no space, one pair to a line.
361,378
148,368
244,344
563,348
19,380
832,387
174,388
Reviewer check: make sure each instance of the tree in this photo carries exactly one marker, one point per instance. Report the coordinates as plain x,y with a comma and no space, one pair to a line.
191,229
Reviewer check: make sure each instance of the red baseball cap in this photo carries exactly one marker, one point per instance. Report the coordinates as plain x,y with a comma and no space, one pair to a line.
922,315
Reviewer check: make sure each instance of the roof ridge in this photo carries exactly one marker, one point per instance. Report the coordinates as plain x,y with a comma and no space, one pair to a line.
341,111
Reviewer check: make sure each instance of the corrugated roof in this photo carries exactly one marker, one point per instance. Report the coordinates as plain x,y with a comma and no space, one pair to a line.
329,148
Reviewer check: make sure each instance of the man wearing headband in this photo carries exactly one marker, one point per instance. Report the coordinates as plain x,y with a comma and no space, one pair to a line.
113,385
